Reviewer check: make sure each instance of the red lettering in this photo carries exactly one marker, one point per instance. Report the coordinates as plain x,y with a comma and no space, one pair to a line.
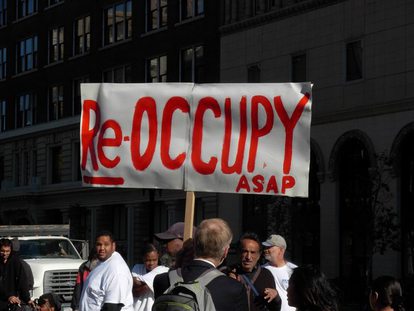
258,181
174,103
272,185
237,166
287,183
243,184
199,165
109,142
289,124
148,105
88,134
256,131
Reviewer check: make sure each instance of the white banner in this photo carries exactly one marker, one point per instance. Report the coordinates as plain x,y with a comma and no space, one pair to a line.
239,138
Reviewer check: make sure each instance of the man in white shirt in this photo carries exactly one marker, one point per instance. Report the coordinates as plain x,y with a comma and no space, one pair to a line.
109,286
274,251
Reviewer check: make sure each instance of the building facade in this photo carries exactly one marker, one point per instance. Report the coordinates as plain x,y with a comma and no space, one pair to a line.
359,57
47,49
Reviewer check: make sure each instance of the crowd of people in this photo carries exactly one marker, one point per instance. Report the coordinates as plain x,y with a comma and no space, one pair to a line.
105,282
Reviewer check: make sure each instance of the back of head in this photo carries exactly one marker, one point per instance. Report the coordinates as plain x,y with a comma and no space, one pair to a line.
211,239
389,293
312,290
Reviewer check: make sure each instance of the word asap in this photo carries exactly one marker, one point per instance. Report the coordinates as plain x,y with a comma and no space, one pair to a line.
260,118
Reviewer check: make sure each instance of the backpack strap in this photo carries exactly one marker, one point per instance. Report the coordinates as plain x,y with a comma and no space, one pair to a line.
209,275
175,276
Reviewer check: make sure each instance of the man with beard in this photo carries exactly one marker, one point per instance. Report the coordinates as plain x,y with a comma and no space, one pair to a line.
109,286
259,282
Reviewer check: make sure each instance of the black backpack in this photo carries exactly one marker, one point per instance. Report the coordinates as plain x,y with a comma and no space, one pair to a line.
189,296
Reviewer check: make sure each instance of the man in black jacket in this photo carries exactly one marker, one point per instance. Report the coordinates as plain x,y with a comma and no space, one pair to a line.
259,283
211,245
14,287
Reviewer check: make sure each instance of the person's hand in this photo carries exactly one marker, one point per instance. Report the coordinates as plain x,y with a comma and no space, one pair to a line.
14,300
270,294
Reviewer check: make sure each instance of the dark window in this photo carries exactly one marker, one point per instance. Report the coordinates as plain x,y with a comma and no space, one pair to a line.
25,110
1,170
55,102
253,74
82,35
3,63
17,175
77,175
354,60
117,22
299,68
3,12
191,8
26,54
3,115
157,69
117,75
156,14
25,7
57,164
192,64
56,44
77,105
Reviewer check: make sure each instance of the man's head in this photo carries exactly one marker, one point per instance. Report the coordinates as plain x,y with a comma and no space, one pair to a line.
173,238
49,302
105,245
6,247
250,250
274,249
212,240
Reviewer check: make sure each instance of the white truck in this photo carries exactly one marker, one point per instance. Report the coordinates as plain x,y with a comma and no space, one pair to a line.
53,259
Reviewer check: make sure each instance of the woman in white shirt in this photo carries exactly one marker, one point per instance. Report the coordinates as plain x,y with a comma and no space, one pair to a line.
143,275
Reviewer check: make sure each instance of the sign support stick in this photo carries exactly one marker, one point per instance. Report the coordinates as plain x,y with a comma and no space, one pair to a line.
189,215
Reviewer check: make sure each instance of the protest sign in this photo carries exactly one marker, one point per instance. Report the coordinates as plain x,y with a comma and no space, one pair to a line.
238,138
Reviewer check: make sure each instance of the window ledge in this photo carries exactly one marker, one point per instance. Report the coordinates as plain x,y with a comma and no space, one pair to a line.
18,20
20,74
58,62
190,20
74,57
155,31
54,5
115,44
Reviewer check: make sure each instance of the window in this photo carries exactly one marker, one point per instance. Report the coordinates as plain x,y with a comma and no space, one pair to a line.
117,75
1,170
3,63
82,35
253,74
299,68
55,102
16,173
191,8
76,171
3,116
157,69
26,7
26,54
192,64
117,22
3,12
53,2
25,110
56,44
77,105
354,60
156,14
56,157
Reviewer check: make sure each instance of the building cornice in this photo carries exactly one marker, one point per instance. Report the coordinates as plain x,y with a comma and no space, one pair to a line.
276,14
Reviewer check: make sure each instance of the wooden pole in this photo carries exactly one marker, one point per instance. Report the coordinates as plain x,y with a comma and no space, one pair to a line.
189,215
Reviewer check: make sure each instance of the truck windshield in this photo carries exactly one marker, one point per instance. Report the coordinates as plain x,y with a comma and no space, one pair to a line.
47,248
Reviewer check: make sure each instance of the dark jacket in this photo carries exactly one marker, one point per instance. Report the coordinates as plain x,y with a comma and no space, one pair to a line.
227,293
262,279
14,281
